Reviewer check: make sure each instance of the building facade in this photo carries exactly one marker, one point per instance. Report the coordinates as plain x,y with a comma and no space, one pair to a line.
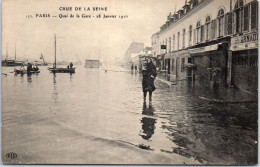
138,58
244,46
155,44
135,47
206,39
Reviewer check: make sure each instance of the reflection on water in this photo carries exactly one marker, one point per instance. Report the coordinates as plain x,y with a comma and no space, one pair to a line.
55,93
29,78
88,112
148,124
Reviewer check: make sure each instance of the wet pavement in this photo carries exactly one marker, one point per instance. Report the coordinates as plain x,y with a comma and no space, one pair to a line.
97,117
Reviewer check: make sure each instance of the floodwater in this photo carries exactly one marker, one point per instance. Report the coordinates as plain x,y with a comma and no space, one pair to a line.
98,117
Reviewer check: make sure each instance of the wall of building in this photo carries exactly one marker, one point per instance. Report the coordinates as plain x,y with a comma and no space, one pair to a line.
155,44
200,13
134,47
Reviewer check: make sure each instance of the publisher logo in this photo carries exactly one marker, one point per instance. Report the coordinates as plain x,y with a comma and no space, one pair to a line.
11,155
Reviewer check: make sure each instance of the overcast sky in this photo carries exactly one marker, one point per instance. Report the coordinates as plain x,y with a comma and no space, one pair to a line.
83,38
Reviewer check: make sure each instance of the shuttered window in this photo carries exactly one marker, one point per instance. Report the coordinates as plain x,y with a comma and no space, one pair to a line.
183,39
173,42
246,18
170,45
194,36
207,27
190,35
198,32
202,34
166,45
254,15
221,22
178,41
228,24
213,29
238,16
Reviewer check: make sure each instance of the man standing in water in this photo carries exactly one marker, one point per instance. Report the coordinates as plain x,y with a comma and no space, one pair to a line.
149,74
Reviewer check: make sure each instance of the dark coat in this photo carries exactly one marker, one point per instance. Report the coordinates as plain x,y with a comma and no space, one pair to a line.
148,81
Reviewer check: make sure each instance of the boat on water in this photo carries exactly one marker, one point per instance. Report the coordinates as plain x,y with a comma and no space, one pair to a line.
22,71
29,70
11,62
56,69
43,63
62,70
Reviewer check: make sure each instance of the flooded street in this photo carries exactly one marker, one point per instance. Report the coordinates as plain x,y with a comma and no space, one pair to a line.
97,117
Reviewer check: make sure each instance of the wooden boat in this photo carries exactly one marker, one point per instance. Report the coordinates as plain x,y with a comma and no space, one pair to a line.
23,71
11,62
60,70
16,71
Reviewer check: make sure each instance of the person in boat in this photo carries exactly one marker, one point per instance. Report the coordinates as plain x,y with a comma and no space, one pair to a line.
36,68
71,65
29,67
149,74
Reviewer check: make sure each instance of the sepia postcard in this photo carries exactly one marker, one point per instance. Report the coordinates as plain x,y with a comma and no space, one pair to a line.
129,82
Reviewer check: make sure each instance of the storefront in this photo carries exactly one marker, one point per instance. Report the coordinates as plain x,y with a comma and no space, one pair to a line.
211,63
174,65
159,62
244,69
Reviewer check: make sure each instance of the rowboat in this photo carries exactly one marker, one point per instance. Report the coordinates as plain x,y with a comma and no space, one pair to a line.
62,70
23,71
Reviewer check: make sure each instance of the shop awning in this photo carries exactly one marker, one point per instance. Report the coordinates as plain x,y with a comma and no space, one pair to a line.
189,65
205,49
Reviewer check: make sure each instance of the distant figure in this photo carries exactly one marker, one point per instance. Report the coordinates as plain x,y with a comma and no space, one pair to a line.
149,74
132,68
71,65
36,68
68,67
135,68
29,67
33,68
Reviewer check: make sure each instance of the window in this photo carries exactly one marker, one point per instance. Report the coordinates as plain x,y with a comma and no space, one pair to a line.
213,29
228,23
170,44
183,39
189,60
254,19
172,64
198,31
207,28
182,64
238,15
190,35
221,22
195,3
173,42
246,18
166,45
178,41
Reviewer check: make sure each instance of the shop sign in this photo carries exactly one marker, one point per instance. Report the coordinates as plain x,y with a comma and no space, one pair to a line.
204,49
246,41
